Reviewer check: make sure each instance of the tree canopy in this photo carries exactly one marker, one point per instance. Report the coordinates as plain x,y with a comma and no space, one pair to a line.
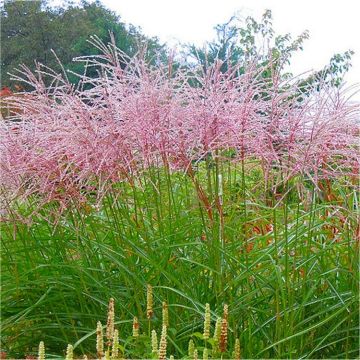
239,41
31,30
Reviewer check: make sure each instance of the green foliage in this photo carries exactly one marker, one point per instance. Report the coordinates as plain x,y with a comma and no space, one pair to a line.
286,268
333,74
285,261
240,41
30,30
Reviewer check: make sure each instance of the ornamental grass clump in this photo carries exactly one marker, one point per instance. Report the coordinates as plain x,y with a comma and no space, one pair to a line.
217,186
68,142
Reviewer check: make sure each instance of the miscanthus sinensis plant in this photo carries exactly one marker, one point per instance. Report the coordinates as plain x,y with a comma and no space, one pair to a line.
217,188
66,141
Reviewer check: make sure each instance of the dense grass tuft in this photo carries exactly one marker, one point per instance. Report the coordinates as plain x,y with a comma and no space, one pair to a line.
213,188
287,269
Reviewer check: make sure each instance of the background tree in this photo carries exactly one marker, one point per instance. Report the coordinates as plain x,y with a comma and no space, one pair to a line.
32,29
240,41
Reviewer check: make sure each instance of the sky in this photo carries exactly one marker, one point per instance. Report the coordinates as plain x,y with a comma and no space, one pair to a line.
334,25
